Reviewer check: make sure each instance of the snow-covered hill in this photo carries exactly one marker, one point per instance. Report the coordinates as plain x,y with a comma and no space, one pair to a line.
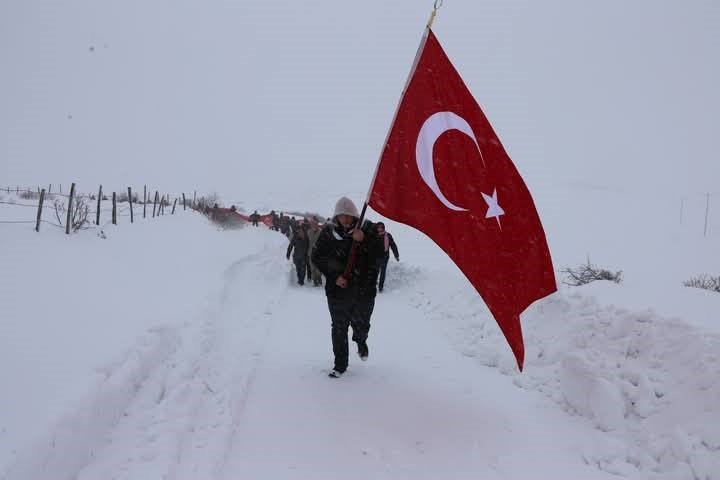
171,349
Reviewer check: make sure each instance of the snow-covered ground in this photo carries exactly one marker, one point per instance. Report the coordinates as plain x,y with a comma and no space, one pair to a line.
172,349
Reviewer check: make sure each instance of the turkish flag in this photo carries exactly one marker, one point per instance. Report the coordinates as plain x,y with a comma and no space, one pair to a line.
444,172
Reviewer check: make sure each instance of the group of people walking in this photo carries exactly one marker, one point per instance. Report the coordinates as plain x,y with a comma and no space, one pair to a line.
325,249
350,285
303,238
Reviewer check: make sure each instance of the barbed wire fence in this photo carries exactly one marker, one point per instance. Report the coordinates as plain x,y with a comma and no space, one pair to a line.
80,211
701,206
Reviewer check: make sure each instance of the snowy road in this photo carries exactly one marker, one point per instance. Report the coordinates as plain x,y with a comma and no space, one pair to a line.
244,394
238,389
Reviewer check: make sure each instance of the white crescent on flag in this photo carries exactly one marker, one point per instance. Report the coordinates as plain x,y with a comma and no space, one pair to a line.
432,128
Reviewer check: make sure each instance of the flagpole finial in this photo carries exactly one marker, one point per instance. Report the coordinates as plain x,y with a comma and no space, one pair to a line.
436,6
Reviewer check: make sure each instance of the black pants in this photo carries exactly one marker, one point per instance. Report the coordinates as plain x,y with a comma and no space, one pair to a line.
382,268
353,312
300,269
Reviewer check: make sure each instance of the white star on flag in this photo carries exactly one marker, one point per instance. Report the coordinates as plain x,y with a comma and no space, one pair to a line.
494,209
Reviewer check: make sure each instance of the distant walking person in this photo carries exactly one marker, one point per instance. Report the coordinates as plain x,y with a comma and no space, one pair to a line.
301,245
313,235
255,218
351,299
388,244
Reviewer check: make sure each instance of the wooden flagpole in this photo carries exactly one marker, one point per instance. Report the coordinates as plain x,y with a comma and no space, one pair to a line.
353,252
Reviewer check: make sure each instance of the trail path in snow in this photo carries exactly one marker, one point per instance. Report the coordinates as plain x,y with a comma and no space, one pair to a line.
417,409
244,394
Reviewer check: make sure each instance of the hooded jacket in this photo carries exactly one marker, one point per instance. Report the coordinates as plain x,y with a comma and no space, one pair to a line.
331,254
300,244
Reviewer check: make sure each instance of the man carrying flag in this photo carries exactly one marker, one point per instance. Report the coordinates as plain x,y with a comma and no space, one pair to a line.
444,172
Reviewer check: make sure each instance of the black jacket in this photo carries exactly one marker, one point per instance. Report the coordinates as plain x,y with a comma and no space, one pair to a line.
393,246
301,244
331,254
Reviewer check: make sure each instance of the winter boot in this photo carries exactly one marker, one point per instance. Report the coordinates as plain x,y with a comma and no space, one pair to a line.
363,350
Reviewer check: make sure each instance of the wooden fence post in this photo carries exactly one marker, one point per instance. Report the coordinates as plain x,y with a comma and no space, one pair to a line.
61,189
97,214
114,211
40,207
707,207
194,198
155,200
184,208
174,203
69,210
682,204
144,200
130,201
49,189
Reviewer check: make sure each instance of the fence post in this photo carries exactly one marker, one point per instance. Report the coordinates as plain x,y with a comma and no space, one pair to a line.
194,198
114,211
97,214
184,208
61,189
155,200
49,189
130,201
69,209
707,207
40,206
144,200
682,204
173,211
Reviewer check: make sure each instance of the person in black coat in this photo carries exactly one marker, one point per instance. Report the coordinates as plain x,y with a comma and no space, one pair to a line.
301,245
388,244
351,299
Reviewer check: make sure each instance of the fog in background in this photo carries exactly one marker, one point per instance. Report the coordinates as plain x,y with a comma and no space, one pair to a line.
250,99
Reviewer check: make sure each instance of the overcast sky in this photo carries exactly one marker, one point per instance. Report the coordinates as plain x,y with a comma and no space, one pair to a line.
259,97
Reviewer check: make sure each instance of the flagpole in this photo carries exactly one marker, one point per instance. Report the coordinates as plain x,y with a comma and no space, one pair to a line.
436,5
353,252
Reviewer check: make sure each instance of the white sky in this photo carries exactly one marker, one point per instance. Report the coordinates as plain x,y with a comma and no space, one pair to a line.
263,97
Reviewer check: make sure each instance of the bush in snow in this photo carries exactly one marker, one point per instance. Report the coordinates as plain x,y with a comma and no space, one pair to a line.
123,197
29,195
79,215
706,282
587,273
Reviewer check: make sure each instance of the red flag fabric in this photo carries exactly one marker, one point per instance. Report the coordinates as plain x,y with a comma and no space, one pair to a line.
444,172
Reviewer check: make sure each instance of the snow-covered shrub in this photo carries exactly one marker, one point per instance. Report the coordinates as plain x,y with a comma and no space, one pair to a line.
79,217
706,282
587,273
122,197
27,195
